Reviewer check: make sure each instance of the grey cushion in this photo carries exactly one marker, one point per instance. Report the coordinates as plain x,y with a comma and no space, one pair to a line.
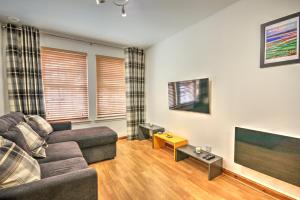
41,133
99,153
16,166
6,124
61,126
17,137
62,167
88,137
78,185
36,144
10,120
17,116
61,151
40,122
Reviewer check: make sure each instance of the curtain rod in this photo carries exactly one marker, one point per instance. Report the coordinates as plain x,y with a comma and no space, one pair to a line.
81,40
4,27
73,38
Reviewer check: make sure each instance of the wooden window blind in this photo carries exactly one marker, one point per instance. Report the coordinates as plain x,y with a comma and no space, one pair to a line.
65,84
111,100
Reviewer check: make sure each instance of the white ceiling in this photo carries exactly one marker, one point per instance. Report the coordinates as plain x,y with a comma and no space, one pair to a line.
147,21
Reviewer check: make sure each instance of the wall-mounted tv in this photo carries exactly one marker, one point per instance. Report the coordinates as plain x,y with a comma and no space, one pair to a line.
275,155
191,95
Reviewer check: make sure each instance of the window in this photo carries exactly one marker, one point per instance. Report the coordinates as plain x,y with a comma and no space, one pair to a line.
65,84
111,101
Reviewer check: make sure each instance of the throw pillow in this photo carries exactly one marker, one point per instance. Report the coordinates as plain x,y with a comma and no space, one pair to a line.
16,116
16,167
36,144
17,137
6,124
10,120
41,133
40,122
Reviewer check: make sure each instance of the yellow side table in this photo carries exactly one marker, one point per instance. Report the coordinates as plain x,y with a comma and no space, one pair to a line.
159,141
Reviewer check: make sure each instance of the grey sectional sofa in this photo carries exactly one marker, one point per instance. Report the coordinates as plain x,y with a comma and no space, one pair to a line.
65,172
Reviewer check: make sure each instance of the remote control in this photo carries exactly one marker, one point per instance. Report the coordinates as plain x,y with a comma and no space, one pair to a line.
205,157
210,157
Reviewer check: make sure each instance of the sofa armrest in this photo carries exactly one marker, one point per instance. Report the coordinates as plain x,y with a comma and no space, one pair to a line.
61,126
78,185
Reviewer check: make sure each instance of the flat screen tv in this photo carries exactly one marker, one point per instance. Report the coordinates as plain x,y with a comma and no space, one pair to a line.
191,95
274,155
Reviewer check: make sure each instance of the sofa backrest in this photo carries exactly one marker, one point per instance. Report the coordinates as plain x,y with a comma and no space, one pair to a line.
10,120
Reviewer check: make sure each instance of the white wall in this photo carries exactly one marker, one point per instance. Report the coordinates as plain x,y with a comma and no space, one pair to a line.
226,47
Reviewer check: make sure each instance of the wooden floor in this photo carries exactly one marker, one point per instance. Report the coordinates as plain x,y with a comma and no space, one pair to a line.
140,172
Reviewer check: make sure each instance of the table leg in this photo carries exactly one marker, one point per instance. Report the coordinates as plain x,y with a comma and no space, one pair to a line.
151,137
176,145
180,155
157,142
215,169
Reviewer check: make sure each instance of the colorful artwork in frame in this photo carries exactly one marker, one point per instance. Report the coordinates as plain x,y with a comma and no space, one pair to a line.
280,41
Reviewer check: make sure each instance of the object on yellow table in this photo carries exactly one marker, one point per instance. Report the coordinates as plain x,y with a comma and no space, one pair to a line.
159,141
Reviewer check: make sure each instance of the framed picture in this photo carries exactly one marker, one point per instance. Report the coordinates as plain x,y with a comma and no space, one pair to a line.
280,41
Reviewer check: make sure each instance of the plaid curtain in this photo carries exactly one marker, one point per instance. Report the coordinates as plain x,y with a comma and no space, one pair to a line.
23,68
135,90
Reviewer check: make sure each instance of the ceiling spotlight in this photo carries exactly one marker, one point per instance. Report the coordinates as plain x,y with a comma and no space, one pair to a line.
123,12
100,1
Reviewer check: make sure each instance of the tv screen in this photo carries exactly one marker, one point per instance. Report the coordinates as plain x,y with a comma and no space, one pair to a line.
275,155
191,95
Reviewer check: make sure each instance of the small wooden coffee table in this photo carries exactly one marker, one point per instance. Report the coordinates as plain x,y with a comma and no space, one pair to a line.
160,140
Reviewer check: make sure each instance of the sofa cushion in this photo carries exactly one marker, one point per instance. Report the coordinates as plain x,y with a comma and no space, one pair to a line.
6,124
40,122
17,137
88,137
62,167
16,166
17,116
10,120
61,151
36,144
41,133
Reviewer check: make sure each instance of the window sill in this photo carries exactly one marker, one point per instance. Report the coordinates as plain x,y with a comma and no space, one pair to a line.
86,121
110,119
81,121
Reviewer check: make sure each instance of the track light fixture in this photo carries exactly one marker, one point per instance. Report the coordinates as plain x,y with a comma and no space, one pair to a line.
120,3
123,11
100,1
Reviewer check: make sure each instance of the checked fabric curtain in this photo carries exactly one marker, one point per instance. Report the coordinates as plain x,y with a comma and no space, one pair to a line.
135,90
23,67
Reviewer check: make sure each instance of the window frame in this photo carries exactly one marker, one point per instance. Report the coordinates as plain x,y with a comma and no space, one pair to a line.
73,120
111,118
